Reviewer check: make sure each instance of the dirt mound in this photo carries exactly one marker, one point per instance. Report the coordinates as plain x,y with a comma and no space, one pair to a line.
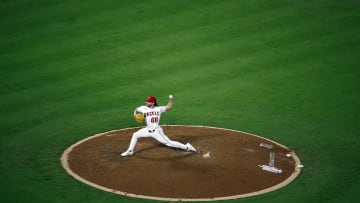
226,165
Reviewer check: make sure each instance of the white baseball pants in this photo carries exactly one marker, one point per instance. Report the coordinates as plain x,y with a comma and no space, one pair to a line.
157,134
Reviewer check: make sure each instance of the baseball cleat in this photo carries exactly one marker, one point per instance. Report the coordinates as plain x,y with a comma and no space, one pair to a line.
127,153
190,148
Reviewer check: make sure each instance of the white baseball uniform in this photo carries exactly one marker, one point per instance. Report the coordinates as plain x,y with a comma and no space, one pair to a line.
152,129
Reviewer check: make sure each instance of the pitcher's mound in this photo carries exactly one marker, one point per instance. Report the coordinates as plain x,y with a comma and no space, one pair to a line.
226,165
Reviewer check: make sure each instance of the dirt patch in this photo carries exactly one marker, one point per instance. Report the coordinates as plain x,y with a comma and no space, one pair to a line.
225,167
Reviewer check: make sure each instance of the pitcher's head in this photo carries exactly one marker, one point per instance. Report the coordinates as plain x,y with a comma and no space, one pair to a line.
151,101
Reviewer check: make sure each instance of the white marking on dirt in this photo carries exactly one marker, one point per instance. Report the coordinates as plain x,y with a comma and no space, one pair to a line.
206,155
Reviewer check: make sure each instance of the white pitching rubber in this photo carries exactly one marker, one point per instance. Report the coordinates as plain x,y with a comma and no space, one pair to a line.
206,155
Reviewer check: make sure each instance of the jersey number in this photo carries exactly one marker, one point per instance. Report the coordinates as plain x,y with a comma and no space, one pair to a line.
154,119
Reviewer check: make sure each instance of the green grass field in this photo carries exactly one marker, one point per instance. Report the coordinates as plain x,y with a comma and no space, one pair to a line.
283,69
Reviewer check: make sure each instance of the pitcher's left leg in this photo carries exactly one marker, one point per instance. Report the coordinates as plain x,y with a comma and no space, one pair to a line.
138,134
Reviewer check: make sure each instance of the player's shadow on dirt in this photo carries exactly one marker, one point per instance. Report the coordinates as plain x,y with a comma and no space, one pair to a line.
147,153
160,152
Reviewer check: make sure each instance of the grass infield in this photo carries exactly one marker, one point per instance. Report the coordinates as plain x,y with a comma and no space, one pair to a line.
282,69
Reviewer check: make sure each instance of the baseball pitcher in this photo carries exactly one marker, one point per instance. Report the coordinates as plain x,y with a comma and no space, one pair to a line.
151,113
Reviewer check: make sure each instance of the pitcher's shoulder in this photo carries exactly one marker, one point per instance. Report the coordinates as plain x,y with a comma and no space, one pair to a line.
142,108
161,108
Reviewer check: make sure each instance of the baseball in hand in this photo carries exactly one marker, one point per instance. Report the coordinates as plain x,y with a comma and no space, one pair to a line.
170,96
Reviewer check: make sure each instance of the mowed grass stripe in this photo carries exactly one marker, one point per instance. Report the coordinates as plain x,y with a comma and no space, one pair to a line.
90,46
148,29
136,50
55,70
295,54
137,19
138,26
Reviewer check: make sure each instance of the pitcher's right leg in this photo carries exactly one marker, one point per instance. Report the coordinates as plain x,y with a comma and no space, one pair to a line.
161,137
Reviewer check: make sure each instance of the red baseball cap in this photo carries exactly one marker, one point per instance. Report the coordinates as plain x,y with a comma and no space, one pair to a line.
151,99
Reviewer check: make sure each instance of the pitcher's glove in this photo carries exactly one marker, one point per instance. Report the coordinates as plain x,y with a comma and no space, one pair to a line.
139,117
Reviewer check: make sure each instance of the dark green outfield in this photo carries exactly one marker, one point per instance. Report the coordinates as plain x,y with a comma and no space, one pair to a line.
286,70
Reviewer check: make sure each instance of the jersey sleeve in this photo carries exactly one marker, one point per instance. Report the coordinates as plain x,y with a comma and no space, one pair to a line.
162,109
141,109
